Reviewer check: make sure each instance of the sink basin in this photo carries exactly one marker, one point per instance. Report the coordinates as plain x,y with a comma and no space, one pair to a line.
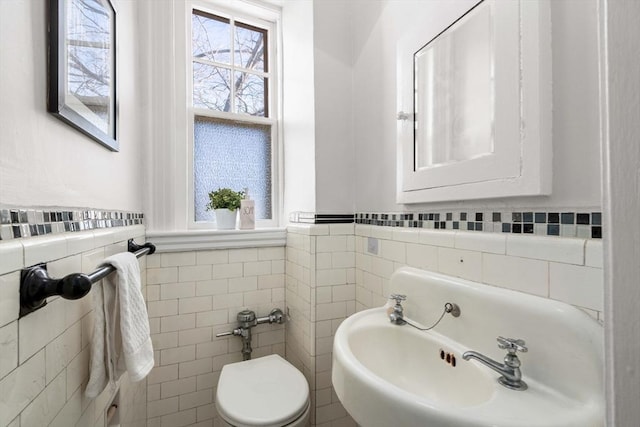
385,374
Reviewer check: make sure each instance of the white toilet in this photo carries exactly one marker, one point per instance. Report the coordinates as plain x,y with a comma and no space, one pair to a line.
263,392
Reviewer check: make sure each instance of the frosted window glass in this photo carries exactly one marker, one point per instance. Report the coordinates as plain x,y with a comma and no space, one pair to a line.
454,93
234,155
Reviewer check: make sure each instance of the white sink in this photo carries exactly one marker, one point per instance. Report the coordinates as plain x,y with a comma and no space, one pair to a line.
385,374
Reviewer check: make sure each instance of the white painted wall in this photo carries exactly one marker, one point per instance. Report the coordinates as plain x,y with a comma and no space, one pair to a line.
298,107
333,57
44,161
576,157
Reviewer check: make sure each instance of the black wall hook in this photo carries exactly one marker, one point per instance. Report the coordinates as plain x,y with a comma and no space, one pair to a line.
36,285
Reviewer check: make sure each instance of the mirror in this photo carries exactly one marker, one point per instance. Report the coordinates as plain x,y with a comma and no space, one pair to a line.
453,92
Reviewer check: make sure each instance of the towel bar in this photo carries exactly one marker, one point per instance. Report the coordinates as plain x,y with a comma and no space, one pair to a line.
36,285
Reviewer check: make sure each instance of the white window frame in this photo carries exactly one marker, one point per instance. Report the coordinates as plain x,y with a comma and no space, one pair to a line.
265,17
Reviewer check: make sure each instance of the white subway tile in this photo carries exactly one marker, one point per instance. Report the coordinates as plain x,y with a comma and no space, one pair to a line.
208,380
212,257
166,340
195,399
77,371
11,256
335,276
79,242
177,259
519,274
277,266
217,347
162,308
438,238
577,285
177,323
243,284
324,260
40,327
62,350
382,267
206,413
71,411
224,359
194,273
343,293
257,268
196,367
177,355
8,348
162,407
272,253
271,281
254,298
385,233
406,235
194,336
179,419
459,263
339,229
44,249
593,255
562,250
163,374
331,244
393,251
323,294
243,255
332,310
157,276
226,271
195,304
21,386
227,301
495,243
170,291
343,259
422,256
210,318
212,287
153,392
43,408
153,261
9,297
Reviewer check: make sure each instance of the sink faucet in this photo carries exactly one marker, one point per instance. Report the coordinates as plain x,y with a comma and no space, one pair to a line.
397,315
510,369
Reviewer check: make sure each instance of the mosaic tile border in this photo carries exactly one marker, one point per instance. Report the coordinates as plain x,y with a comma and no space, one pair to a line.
566,223
25,222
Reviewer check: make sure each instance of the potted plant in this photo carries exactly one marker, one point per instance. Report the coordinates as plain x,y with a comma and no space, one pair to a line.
225,203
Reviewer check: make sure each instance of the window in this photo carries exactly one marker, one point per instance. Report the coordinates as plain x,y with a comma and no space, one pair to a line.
233,115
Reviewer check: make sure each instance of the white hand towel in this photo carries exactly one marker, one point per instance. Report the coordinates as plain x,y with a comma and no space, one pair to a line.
121,335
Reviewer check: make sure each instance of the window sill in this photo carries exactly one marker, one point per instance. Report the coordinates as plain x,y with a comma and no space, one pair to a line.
197,240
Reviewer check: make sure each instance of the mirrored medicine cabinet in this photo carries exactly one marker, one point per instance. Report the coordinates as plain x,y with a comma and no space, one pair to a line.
474,105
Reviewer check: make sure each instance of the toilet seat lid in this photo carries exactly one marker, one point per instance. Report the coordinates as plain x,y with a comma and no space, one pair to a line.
268,391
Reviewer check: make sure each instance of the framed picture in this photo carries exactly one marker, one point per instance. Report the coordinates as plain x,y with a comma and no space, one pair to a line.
82,67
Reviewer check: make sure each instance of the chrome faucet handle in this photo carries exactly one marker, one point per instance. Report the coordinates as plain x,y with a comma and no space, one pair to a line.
512,344
398,297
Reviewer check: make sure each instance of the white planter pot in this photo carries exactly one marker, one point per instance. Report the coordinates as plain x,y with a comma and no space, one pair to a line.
226,219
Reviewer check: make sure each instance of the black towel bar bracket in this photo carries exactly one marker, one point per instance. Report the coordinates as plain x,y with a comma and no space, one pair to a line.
36,285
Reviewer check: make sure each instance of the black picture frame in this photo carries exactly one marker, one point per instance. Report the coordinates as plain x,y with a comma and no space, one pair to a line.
82,67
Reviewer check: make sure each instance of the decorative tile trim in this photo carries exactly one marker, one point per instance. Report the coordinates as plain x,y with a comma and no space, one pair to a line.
24,222
574,223
314,218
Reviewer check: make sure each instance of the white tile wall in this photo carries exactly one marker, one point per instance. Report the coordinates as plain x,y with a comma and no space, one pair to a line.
44,356
191,297
566,269
321,292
